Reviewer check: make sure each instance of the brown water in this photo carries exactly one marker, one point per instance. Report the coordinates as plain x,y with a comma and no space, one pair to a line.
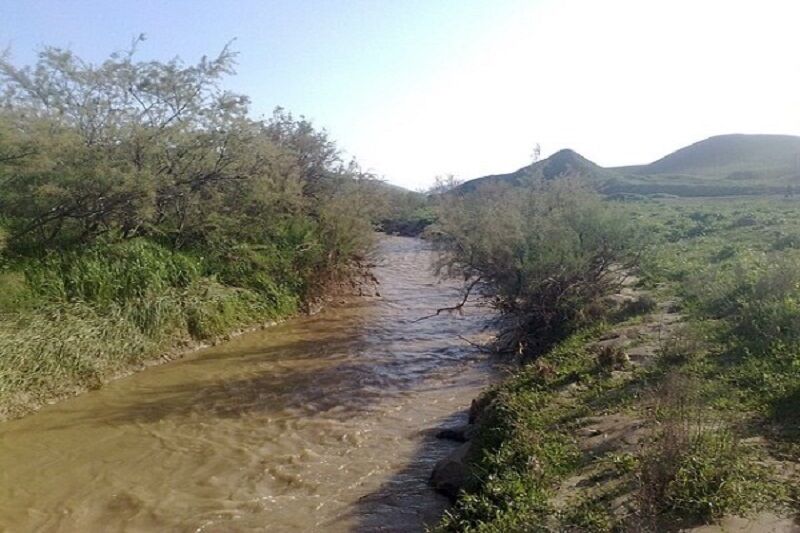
318,424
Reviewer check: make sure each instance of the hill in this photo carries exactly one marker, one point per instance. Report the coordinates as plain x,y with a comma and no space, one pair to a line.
735,156
564,163
736,164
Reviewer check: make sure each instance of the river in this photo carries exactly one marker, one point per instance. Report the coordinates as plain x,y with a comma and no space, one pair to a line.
322,423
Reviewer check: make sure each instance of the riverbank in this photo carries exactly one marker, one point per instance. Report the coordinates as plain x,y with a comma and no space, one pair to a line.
165,227
55,351
286,429
679,415
596,434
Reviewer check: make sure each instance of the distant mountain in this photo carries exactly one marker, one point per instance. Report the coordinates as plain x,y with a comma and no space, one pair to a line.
730,156
564,163
723,165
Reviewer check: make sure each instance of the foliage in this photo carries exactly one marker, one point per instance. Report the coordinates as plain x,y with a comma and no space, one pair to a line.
141,205
524,445
541,254
110,272
728,373
694,469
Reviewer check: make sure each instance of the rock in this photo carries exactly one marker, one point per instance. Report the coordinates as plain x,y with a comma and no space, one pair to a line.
450,474
473,411
458,434
587,432
476,408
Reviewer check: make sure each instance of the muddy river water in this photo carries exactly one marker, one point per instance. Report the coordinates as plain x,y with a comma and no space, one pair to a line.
318,424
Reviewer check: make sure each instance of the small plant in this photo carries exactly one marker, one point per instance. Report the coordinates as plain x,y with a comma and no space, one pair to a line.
681,346
695,469
611,357
726,252
623,463
744,221
712,478
639,306
587,516
785,242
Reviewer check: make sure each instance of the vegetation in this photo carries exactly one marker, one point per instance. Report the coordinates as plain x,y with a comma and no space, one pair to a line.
524,446
141,207
703,426
544,256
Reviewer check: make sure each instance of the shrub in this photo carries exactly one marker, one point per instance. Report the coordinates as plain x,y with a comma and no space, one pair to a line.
712,478
759,298
744,221
726,252
612,357
134,230
540,255
784,242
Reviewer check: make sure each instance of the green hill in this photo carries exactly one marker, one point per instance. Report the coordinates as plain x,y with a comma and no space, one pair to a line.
564,163
723,165
736,156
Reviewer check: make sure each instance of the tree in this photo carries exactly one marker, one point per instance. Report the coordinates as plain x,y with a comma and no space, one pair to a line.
537,152
443,184
539,254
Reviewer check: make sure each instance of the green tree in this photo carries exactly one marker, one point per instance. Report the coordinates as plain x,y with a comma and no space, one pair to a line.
540,254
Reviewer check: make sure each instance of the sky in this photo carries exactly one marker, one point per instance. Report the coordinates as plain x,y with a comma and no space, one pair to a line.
419,88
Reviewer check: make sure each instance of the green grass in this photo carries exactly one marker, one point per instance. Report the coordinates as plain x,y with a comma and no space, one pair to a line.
740,282
732,264
73,320
525,444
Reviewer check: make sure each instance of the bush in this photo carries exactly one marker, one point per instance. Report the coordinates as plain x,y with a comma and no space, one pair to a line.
143,229
784,242
541,255
698,475
713,478
759,297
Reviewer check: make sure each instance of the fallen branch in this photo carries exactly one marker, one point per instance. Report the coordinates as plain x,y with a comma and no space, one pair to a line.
479,347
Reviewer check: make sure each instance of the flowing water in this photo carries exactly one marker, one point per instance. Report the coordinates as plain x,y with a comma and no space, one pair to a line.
319,424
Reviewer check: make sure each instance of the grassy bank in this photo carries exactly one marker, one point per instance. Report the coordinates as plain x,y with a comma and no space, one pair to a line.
73,320
142,210
679,411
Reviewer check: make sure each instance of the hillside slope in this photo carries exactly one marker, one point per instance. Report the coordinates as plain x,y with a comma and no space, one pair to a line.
723,165
564,163
731,156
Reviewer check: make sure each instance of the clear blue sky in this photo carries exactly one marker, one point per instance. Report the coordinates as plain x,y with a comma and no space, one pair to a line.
415,88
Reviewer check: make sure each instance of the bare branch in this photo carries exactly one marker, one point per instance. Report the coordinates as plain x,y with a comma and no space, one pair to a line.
458,307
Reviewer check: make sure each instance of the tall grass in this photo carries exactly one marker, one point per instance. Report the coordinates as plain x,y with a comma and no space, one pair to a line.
91,314
694,469
61,348
111,272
